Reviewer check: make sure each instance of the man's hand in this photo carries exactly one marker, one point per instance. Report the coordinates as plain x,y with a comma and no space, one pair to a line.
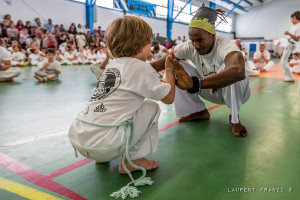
184,81
286,33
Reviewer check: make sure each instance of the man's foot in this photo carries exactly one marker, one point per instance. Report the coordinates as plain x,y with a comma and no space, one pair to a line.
6,79
238,129
98,162
39,79
288,80
142,162
202,115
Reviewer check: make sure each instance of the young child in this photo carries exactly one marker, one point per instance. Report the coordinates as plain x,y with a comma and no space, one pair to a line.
295,63
119,99
99,68
34,57
17,57
49,69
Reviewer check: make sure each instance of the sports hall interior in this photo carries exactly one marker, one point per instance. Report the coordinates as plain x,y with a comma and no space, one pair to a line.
197,159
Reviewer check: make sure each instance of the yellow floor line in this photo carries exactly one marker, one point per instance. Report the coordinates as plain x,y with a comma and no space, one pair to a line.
267,91
25,191
290,93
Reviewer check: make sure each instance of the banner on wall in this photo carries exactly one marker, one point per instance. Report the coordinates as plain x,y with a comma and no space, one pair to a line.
136,6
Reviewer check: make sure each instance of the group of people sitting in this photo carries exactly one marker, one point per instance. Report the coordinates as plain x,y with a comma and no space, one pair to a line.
262,60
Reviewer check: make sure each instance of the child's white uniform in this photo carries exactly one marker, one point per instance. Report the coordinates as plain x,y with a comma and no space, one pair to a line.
119,96
261,64
82,57
17,56
100,57
295,68
91,58
49,69
10,72
60,58
69,62
34,59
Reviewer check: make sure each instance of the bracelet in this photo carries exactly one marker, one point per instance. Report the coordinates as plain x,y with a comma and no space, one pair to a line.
170,69
196,85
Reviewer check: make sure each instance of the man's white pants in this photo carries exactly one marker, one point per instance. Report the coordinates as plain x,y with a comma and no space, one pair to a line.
288,76
266,67
233,96
10,72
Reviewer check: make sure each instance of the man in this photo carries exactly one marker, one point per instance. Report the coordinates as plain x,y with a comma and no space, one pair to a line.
261,60
49,26
7,73
294,37
250,71
219,75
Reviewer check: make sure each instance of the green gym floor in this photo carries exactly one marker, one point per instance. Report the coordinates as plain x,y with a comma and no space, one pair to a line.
197,160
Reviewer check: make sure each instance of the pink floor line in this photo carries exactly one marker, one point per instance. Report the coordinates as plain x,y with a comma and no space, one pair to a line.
36,178
85,161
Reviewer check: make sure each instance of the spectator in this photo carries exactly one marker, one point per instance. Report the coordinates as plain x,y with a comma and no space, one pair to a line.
62,28
49,26
20,26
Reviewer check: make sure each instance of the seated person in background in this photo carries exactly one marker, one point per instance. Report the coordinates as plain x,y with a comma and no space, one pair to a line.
101,54
82,56
99,68
251,72
60,57
17,57
295,63
7,73
70,59
49,69
92,56
159,51
261,60
34,57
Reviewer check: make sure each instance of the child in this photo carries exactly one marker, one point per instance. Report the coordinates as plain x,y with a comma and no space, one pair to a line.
34,57
295,63
7,73
17,57
49,69
92,56
98,69
119,99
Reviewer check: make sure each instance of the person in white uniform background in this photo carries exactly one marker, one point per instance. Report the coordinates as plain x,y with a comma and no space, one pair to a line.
7,73
251,72
120,96
295,63
261,60
219,76
294,37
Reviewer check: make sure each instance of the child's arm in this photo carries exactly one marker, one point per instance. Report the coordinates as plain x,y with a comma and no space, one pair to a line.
56,71
44,66
6,65
170,78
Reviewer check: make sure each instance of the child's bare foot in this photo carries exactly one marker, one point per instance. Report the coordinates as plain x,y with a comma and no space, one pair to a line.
39,79
202,115
238,129
142,162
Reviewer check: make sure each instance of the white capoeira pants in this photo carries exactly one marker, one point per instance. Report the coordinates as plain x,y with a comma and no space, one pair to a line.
233,96
252,72
44,75
144,142
95,68
288,76
10,72
266,67
15,63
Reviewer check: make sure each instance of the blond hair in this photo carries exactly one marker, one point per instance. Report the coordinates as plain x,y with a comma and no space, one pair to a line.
127,36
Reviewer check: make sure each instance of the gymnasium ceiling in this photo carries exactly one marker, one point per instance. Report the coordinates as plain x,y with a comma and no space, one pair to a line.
243,6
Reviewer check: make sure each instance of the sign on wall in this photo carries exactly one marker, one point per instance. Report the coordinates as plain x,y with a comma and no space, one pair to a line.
136,6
